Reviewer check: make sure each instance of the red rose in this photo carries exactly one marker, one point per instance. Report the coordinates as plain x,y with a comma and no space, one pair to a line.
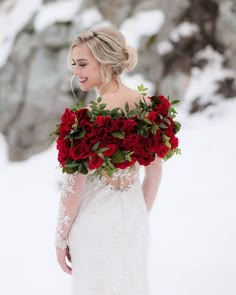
150,145
174,142
162,150
89,129
68,115
67,120
139,146
171,125
129,125
152,116
109,123
81,151
145,158
82,116
62,156
99,121
130,141
164,101
95,161
102,133
63,147
163,107
120,123
111,150
126,163
168,132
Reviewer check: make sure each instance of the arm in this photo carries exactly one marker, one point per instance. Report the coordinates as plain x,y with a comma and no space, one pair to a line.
152,181
71,190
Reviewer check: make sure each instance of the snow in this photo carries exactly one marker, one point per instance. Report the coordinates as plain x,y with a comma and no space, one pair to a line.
89,18
146,23
59,11
164,47
193,219
185,29
192,222
13,22
203,82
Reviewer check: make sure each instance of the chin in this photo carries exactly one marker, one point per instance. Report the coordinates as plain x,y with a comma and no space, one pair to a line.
85,87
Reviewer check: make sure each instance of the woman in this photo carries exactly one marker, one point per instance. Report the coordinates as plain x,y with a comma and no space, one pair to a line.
103,223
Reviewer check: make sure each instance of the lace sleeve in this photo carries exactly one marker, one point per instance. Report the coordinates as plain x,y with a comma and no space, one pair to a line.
151,182
71,190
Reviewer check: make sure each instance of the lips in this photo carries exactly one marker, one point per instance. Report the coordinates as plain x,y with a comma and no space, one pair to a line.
83,80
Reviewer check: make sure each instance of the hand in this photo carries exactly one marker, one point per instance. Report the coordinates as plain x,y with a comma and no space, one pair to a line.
62,256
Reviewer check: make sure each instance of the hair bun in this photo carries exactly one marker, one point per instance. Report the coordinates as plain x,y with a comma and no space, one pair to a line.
130,58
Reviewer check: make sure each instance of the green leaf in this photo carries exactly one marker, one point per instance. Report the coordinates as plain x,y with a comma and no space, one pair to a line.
99,99
118,134
95,147
80,134
172,110
167,143
167,120
102,106
126,107
154,128
142,89
101,155
118,157
177,127
79,168
162,125
71,165
174,101
133,113
103,149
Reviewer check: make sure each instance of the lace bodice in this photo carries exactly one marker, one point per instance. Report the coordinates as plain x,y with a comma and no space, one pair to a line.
122,179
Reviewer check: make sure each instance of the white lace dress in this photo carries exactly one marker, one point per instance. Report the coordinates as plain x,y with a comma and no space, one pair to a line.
109,237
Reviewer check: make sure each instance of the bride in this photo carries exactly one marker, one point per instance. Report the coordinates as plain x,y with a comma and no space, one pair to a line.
103,234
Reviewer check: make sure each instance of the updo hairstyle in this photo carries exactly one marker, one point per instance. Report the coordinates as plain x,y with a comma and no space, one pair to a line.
108,45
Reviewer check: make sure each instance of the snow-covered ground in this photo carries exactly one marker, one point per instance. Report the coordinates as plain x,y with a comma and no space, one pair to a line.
192,223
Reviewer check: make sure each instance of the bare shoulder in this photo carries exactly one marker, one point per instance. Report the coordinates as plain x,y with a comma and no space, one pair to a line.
120,98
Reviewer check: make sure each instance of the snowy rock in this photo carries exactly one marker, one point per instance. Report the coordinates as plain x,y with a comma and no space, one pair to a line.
174,84
114,11
226,23
35,81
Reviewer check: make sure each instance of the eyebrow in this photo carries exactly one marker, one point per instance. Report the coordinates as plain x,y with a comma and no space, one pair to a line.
81,59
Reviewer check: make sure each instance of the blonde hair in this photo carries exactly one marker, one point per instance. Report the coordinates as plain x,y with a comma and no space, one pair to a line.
108,45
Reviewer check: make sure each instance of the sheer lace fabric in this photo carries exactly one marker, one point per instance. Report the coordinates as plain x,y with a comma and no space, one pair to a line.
105,223
63,216
109,239
122,179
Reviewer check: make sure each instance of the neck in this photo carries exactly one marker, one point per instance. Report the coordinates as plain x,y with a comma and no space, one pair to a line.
112,87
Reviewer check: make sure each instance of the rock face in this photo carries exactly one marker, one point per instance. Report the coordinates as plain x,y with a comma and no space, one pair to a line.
35,82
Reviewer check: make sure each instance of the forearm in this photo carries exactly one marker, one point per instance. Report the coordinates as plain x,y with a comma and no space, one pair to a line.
67,211
151,182
68,208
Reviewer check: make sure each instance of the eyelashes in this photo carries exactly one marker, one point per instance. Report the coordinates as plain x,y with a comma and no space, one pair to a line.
80,65
73,64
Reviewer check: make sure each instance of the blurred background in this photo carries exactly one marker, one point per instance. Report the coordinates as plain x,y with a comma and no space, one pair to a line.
187,50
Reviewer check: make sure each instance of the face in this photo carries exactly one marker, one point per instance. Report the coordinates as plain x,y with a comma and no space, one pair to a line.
86,67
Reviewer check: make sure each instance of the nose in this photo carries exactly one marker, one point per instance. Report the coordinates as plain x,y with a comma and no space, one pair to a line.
76,71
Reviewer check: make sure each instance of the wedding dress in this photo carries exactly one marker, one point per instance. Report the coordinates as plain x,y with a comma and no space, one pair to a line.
109,237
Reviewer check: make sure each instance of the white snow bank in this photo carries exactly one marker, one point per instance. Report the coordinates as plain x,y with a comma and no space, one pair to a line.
13,22
146,23
59,11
